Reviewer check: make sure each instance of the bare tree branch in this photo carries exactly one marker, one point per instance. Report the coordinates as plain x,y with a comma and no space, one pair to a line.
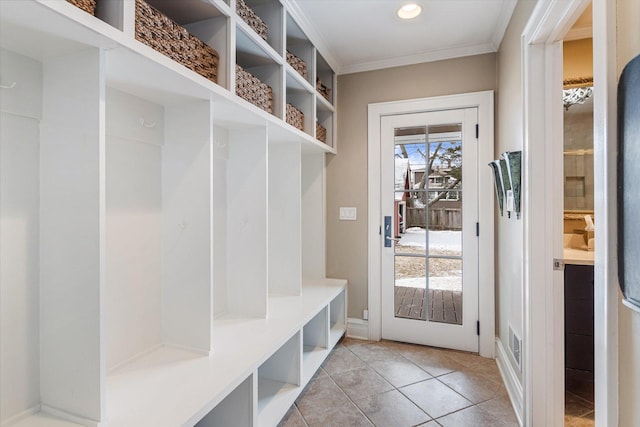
443,193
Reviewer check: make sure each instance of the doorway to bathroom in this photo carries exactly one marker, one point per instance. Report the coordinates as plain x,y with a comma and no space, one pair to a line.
578,223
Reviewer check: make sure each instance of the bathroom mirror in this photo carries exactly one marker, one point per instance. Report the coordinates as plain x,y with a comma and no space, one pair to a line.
578,149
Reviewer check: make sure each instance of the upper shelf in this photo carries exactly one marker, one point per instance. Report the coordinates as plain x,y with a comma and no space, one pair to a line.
138,69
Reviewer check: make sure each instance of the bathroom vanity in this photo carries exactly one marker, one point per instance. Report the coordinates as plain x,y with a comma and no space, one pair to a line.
578,318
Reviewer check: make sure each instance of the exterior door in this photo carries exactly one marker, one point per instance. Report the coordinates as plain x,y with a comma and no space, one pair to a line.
429,196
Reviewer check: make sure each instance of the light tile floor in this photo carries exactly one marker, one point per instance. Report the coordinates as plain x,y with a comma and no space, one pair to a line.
393,384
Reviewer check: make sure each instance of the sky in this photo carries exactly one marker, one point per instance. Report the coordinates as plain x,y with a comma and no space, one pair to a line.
415,158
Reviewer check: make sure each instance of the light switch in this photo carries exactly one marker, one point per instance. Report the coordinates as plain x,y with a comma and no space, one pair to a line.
348,214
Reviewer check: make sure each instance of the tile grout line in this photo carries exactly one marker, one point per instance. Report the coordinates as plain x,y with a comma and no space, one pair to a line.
398,389
432,377
394,388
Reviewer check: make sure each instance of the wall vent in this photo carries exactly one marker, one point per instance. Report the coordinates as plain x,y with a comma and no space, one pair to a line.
515,346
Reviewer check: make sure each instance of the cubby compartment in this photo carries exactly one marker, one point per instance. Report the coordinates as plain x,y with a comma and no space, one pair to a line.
162,25
261,65
261,14
110,12
236,409
325,116
313,215
324,79
338,317
315,343
299,96
299,45
20,114
279,381
240,221
158,227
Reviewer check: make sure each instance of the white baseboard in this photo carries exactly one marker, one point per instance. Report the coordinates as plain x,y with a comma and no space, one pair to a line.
511,381
40,412
66,416
357,328
19,417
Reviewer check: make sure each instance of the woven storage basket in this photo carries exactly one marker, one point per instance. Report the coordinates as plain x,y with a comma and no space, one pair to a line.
324,91
321,133
253,90
298,64
88,6
162,34
295,117
250,17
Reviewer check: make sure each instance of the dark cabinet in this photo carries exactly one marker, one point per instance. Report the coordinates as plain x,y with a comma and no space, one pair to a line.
578,321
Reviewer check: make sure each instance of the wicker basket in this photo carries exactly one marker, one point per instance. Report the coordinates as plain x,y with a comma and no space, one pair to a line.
321,133
298,64
324,91
253,90
88,6
295,117
162,34
250,17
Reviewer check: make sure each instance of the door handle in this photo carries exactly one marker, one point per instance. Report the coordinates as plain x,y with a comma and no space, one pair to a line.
387,232
395,239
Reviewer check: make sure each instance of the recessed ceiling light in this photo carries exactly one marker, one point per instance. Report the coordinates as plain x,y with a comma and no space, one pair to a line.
409,11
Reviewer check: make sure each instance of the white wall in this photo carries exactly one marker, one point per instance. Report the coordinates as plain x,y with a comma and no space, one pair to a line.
133,230
19,237
509,137
347,172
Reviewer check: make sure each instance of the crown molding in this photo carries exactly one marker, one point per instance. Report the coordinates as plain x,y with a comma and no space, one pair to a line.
438,55
503,22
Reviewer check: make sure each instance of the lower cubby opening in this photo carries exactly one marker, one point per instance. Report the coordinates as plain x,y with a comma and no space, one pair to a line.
279,382
235,410
314,343
338,317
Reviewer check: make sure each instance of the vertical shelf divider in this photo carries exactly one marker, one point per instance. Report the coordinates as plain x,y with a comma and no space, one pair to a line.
285,275
72,240
220,213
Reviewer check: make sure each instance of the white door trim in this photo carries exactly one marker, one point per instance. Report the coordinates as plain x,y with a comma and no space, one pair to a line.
543,304
486,303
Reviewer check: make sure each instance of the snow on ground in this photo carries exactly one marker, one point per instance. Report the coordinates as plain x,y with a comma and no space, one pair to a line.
438,240
444,240
440,283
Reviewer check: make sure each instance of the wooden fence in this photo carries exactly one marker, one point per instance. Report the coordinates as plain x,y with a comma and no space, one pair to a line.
439,218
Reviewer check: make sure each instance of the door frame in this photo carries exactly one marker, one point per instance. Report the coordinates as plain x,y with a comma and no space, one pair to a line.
543,381
486,201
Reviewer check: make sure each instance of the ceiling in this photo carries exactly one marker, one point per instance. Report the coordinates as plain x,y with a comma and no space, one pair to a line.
362,35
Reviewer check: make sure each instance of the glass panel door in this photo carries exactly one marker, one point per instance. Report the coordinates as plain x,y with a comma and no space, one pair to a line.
423,185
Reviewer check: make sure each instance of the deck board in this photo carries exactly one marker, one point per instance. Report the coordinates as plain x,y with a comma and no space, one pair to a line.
444,306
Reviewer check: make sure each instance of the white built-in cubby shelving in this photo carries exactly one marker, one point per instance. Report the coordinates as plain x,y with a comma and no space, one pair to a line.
162,240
